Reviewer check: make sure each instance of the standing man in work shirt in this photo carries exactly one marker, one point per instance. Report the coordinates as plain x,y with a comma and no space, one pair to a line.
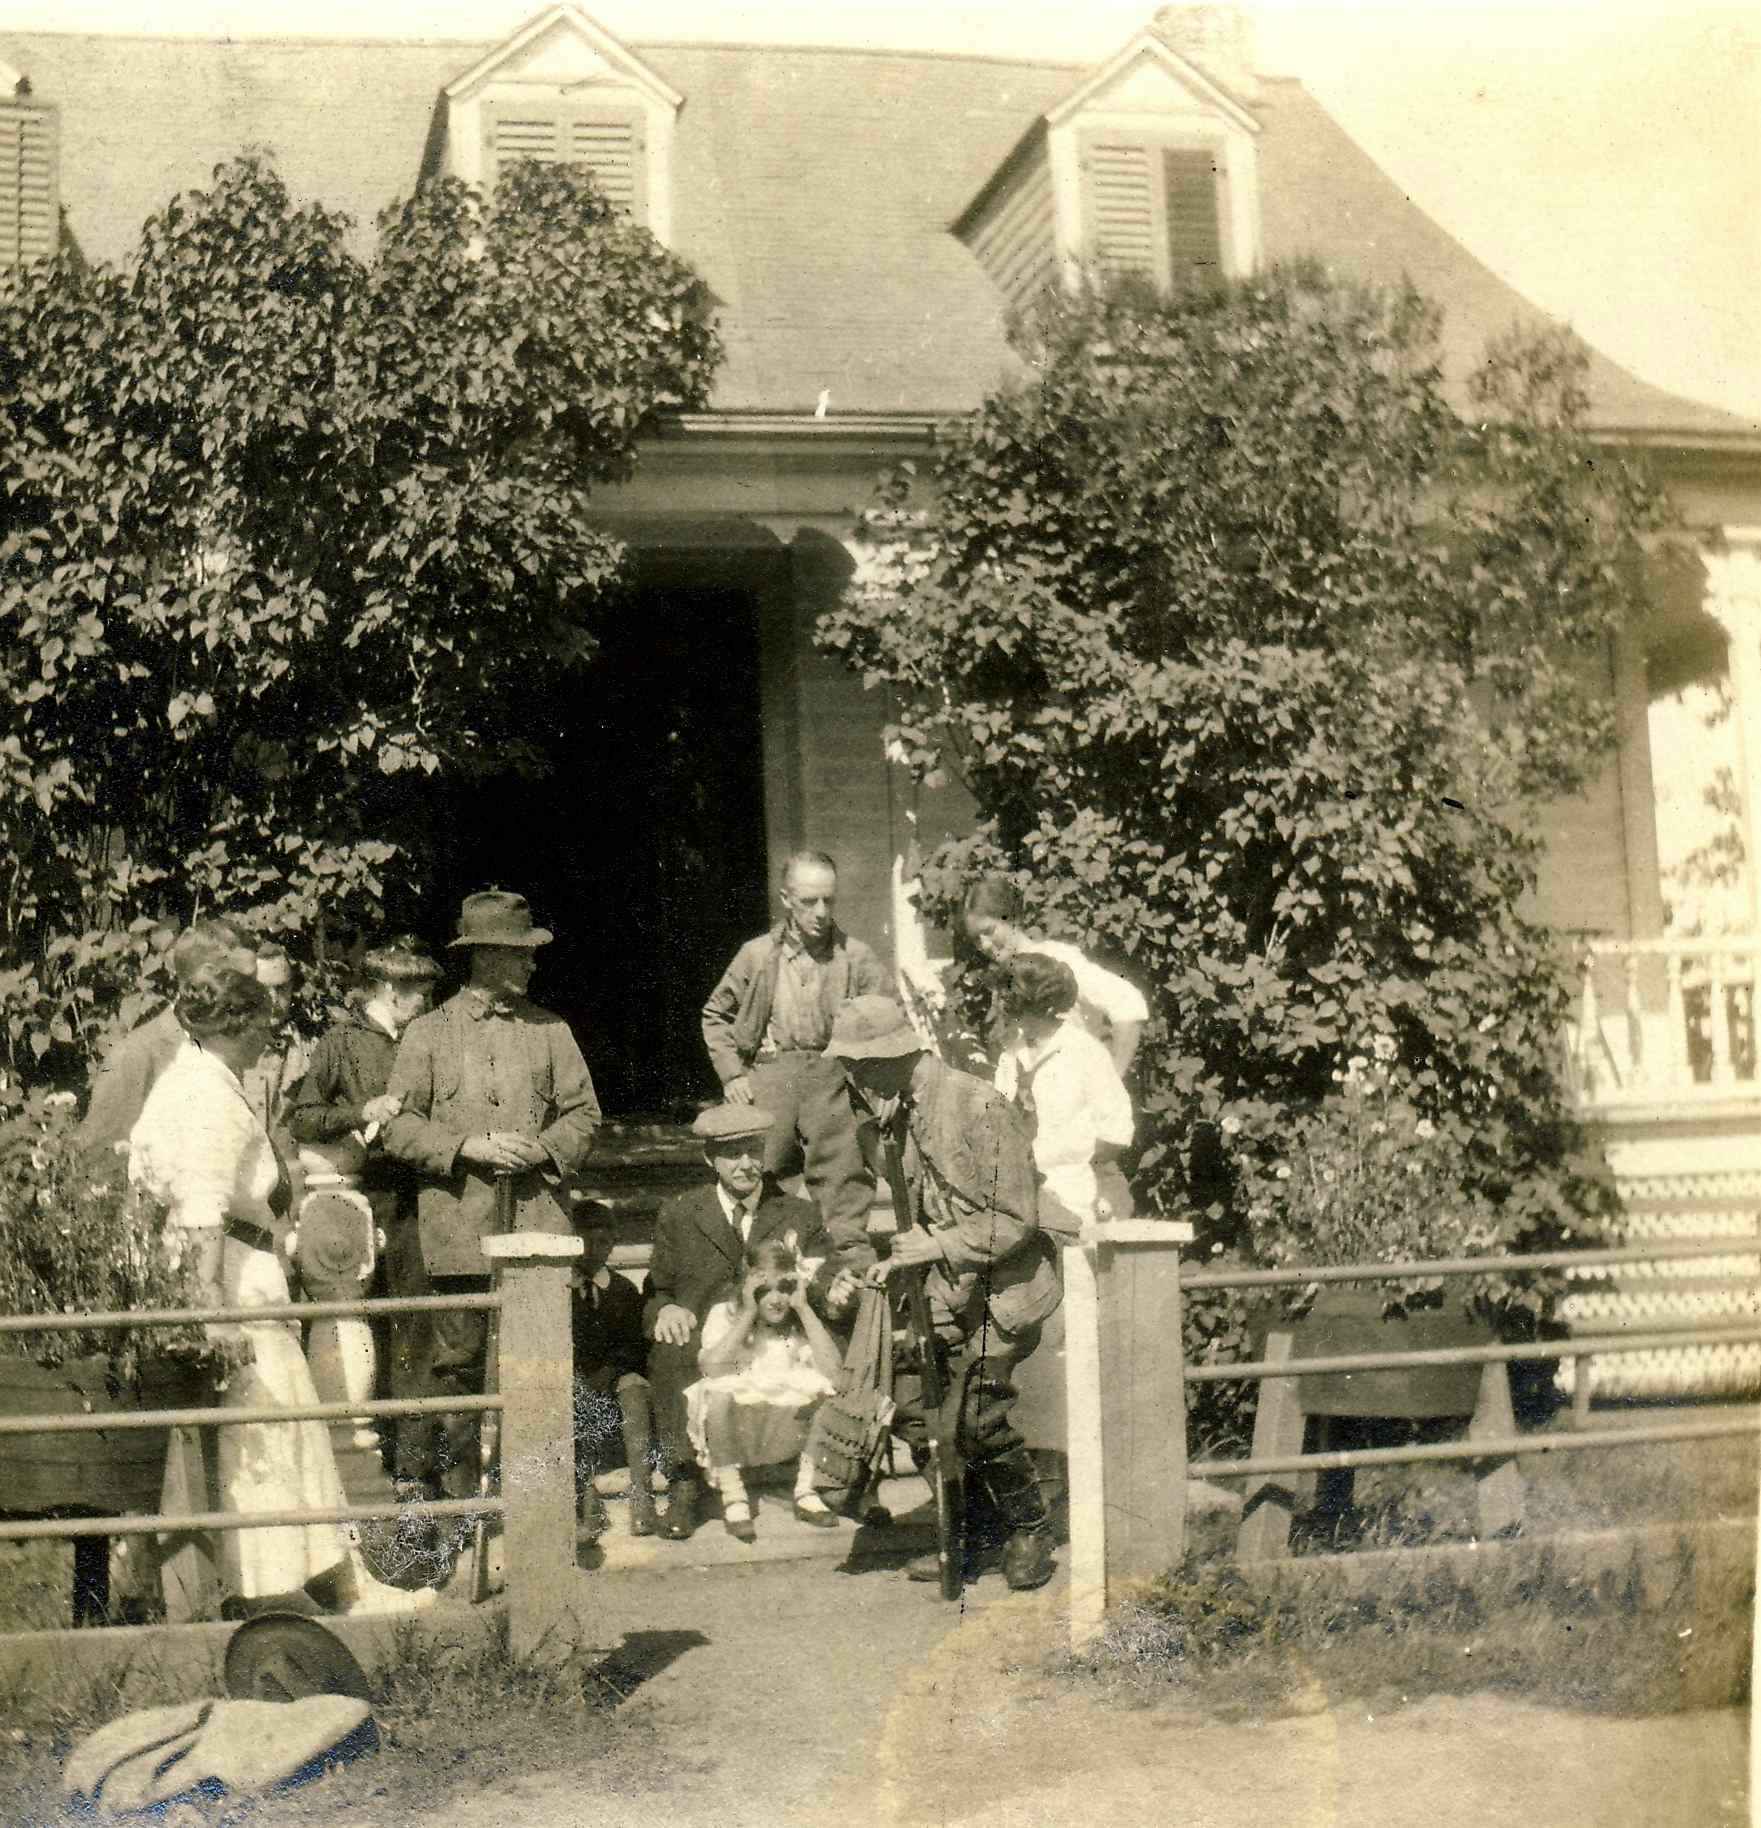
487,1083
766,1025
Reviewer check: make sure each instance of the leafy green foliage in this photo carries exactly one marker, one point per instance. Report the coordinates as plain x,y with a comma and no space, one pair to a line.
1261,663
74,1239
286,533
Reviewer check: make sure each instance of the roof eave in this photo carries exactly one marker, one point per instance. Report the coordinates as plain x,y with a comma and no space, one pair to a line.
602,41
1183,71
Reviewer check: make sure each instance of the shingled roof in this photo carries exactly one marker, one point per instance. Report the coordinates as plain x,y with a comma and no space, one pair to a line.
813,189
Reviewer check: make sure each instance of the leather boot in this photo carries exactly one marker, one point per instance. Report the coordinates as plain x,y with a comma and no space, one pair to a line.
1011,1482
681,1509
644,1520
590,1514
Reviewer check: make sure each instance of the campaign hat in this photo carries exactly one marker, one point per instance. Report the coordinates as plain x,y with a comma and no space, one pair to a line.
872,1028
498,917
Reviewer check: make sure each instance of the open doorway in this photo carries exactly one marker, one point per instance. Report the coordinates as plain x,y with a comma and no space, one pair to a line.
644,848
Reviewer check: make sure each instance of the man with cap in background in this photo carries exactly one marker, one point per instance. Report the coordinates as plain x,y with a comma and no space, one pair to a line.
486,1084
971,1228
700,1243
765,1026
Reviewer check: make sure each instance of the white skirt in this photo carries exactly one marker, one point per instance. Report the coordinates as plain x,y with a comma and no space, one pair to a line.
273,1466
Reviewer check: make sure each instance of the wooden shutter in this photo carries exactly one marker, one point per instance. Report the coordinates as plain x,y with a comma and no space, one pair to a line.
1120,206
30,190
609,141
1189,190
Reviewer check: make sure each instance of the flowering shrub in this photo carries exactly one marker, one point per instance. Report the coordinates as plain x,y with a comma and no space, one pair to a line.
74,1238
1363,1177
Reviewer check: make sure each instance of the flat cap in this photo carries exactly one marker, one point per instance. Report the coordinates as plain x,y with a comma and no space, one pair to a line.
873,1028
725,1122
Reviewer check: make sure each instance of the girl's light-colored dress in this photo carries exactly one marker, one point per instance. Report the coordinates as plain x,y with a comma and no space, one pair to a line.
199,1144
772,1394
1075,1103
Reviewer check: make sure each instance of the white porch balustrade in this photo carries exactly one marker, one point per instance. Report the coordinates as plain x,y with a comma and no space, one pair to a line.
1666,1021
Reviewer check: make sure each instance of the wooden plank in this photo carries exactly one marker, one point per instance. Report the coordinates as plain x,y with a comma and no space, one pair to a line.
537,1440
1498,1483
1143,1421
1271,1500
1083,1371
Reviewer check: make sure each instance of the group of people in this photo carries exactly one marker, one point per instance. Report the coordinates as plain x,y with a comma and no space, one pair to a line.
718,1365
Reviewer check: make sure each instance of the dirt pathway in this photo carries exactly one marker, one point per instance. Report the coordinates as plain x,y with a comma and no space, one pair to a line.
790,1694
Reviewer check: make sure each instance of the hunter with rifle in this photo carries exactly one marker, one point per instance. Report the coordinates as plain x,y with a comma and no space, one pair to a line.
970,1270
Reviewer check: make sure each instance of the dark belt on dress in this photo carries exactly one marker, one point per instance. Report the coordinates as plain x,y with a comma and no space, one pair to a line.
258,1237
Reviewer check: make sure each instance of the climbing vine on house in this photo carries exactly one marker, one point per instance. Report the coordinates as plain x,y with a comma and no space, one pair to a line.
288,527
1262,656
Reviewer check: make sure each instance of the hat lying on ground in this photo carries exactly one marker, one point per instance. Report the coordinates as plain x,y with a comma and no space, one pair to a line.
498,917
727,1122
872,1028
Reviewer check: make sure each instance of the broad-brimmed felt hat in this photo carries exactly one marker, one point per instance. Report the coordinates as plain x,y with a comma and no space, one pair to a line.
730,1122
497,917
398,959
872,1028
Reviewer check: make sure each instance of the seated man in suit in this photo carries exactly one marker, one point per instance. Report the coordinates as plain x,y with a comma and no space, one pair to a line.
700,1244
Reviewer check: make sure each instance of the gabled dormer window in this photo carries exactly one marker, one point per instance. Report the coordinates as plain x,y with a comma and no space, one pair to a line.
609,139
1148,169
1151,209
562,90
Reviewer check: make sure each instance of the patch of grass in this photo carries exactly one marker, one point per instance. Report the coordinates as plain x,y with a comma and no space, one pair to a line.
453,1718
1528,1623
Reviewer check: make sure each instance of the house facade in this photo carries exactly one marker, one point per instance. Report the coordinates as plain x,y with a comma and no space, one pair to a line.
865,222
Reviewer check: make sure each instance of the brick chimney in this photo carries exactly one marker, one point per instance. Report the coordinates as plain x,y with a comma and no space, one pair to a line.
1218,39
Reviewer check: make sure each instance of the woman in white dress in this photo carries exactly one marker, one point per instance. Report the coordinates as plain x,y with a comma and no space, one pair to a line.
1065,1081
201,1147
1110,1008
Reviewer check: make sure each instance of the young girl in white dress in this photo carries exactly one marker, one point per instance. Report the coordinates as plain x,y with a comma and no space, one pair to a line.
767,1361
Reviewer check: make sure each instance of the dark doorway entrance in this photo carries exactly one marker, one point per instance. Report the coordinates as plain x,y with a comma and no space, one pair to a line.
644,847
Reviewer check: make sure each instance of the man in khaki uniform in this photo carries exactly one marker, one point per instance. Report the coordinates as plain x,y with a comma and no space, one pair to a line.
486,1084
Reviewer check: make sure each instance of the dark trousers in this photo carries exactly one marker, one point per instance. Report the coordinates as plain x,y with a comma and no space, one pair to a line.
978,1374
815,1136
436,1355
672,1370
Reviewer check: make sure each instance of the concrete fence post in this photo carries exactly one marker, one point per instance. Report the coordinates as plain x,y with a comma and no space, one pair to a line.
1124,1352
532,1271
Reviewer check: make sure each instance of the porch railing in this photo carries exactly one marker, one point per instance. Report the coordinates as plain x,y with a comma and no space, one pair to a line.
1669,1018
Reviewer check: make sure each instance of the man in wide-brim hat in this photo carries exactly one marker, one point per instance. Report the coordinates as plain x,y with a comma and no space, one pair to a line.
487,1084
971,1229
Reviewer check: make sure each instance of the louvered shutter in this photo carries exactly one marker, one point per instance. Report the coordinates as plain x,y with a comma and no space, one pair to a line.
1119,206
1189,190
609,141
30,199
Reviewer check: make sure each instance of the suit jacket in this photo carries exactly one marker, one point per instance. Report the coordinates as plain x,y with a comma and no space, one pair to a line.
121,1084
605,1326
697,1253
471,1066
970,1170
